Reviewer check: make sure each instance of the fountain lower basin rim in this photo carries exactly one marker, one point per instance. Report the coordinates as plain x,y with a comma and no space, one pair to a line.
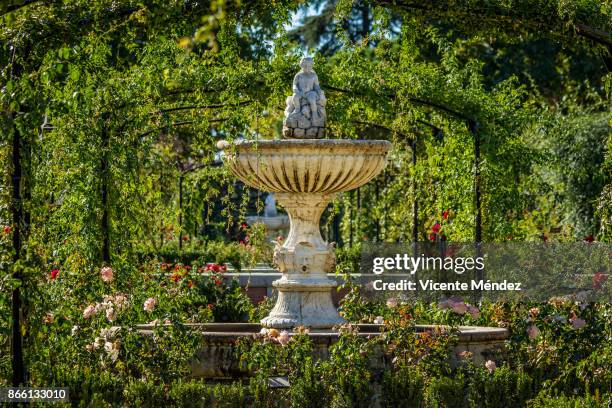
307,165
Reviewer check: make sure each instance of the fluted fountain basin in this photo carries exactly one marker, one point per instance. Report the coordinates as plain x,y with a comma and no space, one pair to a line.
307,165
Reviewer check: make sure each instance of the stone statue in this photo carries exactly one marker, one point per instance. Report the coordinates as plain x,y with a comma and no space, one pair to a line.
305,113
270,206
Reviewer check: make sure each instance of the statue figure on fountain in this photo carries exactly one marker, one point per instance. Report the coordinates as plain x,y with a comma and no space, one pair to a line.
305,113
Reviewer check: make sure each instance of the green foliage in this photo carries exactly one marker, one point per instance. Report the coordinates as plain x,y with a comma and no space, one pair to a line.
572,402
117,107
446,392
403,388
503,387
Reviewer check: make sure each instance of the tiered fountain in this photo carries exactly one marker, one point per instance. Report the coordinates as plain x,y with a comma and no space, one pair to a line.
305,173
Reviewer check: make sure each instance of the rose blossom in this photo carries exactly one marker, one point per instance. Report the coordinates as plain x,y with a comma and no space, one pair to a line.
577,323
392,302
473,311
106,273
112,349
111,314
491,366
120,301
283,338
53,274
97,342
533,332
459,307
106,333
89,311
149,304
444,304
75,330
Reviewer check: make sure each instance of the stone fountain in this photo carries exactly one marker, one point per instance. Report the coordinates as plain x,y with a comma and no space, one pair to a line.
305,173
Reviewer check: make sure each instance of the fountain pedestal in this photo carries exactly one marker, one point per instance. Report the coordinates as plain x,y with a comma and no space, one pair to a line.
305,175
304,296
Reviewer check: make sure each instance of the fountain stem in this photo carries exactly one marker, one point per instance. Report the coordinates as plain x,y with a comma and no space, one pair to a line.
304,290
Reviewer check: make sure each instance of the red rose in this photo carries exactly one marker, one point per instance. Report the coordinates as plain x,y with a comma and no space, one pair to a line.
54,274
218,282
589,238
436,228
432,237
445,214
598,280
223,268
7,229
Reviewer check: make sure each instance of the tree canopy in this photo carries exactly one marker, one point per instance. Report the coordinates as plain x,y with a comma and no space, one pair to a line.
113,103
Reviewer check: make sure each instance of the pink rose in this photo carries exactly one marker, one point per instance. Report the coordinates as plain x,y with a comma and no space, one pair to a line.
283,338
445,304
121,301
459,307
89,311
149,304
106,273
577,323
473,311
111,314
490,365
533,332
392,302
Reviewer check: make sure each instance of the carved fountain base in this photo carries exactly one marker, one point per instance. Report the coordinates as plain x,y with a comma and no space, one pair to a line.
304,259
305,176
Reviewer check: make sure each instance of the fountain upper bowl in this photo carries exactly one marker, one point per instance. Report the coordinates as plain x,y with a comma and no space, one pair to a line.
323,166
